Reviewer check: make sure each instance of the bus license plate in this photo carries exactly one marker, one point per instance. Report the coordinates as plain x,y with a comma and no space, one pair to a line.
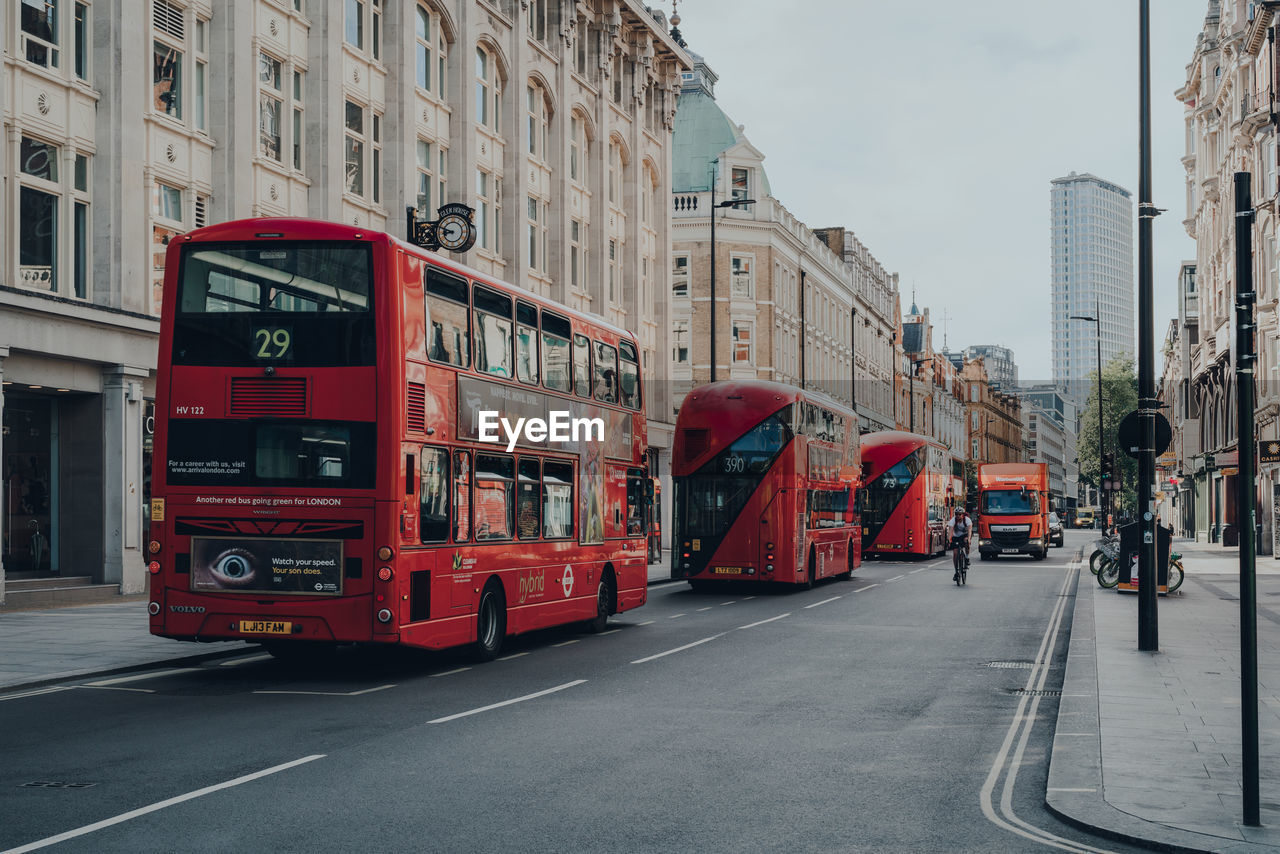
265,627
1009,551
728,570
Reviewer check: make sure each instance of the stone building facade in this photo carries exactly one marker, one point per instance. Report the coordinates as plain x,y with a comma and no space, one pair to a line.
133,121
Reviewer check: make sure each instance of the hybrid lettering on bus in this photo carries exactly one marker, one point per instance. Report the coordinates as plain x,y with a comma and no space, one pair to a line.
323,479
766,480
908,501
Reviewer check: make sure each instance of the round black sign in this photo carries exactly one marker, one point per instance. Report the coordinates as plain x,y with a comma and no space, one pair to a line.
1130,435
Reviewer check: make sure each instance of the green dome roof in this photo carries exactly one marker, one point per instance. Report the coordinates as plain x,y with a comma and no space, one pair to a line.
701,132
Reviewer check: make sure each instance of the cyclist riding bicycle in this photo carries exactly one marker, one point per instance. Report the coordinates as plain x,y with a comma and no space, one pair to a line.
960,530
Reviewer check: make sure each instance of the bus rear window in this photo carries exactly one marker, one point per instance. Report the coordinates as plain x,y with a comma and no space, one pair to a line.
232,453
287,303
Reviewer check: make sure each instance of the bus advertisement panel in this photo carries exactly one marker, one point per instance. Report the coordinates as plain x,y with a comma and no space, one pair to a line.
909,494
364,442
766,480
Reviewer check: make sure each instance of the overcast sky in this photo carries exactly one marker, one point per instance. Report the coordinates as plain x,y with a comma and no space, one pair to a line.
933,129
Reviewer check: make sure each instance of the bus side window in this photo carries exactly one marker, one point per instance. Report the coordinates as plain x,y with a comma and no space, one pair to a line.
635,502
493,332
494,497
557,500
461,496
447,319
528,501
629,379
606,373
526,343
555,353
581,366
433,504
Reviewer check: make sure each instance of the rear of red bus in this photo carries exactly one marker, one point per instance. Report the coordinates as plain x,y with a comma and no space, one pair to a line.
746,505
906,505
269,522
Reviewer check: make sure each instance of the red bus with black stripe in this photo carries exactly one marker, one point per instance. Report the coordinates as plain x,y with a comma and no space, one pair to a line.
766,480
326,466
908,500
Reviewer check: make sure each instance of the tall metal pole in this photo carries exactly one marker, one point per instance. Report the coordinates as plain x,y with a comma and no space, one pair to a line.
1246,516
804,331
1148,629
714,173
1103,498
853,359
911,394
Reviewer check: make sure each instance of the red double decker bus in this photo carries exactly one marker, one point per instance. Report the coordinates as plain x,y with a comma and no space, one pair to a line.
765,485
907,501
362,442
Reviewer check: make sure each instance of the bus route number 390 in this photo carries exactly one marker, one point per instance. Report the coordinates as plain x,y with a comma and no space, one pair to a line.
734,464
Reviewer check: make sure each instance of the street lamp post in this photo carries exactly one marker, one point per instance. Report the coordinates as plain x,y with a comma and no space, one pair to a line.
911,393
1096,320
731,203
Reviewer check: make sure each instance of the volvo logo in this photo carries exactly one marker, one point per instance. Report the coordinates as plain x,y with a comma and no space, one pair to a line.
187,609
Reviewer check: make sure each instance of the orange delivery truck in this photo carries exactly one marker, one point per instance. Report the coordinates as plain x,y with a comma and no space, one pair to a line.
1013,510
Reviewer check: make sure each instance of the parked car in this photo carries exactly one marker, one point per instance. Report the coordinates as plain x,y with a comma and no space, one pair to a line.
1055,530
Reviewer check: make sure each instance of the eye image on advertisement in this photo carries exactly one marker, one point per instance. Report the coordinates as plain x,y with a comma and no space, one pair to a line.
256,565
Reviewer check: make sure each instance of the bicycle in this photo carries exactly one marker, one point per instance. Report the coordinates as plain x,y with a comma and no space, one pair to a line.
1108,547
959,560
1109,573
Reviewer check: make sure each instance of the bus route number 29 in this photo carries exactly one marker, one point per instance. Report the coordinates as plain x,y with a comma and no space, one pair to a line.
271,342
734,464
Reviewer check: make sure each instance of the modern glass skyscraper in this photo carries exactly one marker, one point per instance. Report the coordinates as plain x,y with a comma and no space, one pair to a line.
1091,250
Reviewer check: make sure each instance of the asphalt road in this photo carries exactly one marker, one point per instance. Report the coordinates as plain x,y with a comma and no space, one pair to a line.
893,712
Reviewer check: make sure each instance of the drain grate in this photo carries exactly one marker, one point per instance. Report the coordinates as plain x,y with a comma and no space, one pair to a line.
1029,692
55,784
1010,665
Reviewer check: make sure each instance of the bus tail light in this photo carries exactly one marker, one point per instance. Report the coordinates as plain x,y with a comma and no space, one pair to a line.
154,567
385,553
768,568
769,546
153,608
154,547
385,573
384,616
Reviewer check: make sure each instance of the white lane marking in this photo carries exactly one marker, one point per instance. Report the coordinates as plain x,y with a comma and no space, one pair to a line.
36,693
448,672
123,817
921,569
868,587
236,662
646,623
823,602
566,643
895,578
138,676
678,649
330,693
493,706
610,632
762,622
675,616
509,657
745,598
730,602
708,608
1008,820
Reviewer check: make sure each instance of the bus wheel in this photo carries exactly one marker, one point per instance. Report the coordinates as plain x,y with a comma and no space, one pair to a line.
848,575
491,623
604,605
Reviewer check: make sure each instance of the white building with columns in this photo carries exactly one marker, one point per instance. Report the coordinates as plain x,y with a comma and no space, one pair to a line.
127,123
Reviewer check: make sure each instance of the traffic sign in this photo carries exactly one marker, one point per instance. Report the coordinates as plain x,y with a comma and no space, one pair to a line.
1130,436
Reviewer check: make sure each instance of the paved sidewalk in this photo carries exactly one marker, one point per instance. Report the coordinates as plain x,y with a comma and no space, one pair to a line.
1148,745
39,647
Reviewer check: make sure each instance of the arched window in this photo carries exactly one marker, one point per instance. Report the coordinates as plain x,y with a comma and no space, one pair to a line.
430,51
488,90
579,149
615,174
538,119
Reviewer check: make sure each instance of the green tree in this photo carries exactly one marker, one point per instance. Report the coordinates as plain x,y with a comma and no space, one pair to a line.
1119,398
